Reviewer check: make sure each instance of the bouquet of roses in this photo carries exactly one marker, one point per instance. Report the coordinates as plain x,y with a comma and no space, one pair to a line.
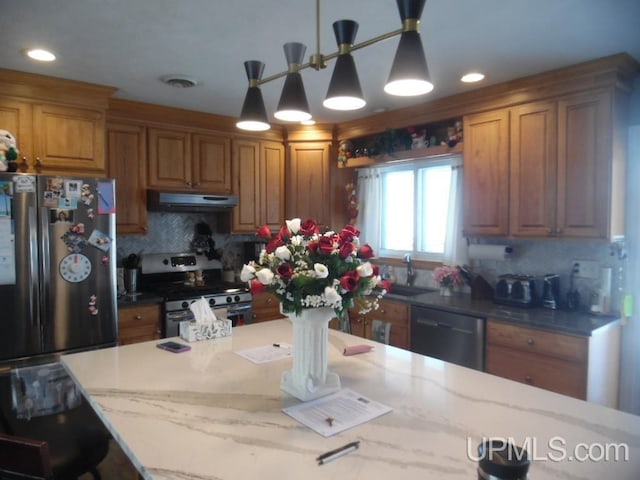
448,276
304,268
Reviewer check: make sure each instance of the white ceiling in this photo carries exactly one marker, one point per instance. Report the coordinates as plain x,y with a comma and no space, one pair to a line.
130,44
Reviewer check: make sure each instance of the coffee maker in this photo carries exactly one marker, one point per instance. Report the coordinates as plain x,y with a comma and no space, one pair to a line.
551,291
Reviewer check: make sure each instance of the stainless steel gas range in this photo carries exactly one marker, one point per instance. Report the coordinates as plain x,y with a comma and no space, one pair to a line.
183,278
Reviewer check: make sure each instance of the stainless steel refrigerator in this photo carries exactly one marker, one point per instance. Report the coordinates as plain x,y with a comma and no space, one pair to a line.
57,265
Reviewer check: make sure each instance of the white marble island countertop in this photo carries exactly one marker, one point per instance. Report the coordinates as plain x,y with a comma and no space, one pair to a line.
211,414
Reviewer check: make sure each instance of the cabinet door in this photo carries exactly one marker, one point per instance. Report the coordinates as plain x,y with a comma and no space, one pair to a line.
169,159
397,314
246,184
533,169
584,161
308,182
272,173
486,173
127,160
139,324
69,140
265,306
16,118
211,163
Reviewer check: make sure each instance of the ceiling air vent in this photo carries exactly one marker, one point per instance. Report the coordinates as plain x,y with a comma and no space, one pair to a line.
179,81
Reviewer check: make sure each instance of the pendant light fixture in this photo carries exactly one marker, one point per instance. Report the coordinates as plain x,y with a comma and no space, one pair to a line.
254,114
345,92
293,105
409,73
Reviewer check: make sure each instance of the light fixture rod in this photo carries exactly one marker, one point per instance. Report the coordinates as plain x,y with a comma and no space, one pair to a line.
319,57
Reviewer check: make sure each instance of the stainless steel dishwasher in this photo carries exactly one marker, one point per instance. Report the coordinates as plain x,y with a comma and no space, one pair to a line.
452,337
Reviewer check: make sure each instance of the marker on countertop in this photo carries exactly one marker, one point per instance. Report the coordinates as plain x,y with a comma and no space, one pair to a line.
338,452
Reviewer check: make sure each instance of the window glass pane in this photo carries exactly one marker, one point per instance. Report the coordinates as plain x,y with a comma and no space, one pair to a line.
397,210
433,208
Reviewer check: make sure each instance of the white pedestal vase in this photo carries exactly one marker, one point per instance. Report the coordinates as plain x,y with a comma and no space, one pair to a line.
309,378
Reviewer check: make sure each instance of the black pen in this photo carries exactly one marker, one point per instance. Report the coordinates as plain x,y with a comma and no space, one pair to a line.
277,345
338,452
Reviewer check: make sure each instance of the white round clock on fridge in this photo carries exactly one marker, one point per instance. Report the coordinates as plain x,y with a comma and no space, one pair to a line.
75,267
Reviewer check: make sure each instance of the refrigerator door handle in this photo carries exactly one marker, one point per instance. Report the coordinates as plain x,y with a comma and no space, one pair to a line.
33,266
45,263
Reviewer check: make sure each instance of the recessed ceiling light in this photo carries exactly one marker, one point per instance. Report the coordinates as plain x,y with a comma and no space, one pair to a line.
40,55
472,77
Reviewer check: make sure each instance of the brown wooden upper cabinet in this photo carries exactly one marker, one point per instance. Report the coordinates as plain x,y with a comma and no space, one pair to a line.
259,182
56,139
127,160
550,168
189,160
486,173
308,182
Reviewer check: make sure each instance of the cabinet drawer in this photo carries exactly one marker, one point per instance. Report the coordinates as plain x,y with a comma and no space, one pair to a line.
550,373
139,316
265,301
394,312
558,345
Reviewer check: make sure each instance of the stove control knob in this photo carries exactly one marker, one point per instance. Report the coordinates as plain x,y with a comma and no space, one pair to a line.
236,298
185,304
165,262
229,300
212,301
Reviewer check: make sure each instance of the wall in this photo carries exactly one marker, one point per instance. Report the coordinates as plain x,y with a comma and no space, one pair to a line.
174,232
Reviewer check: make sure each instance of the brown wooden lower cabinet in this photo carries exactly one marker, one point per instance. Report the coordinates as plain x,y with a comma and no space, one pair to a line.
265,306
139,323
396,313
584,367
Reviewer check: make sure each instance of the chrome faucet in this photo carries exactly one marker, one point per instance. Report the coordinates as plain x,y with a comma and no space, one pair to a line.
410,273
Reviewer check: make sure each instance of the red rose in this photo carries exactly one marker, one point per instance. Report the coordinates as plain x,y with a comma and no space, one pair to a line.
348,233
284,233
256,286
264,232
309,227
285,271
375,269
346,249
349,280
274,243
313,247
386,285
325,244
366,251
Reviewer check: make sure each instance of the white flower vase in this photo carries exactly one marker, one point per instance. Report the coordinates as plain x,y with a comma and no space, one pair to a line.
445,291
309,378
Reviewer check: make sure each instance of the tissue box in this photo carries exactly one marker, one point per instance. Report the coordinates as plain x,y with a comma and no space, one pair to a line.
193,332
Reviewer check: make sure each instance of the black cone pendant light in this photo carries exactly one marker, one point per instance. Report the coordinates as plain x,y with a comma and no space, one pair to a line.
253,116
409,73
345,92
293,105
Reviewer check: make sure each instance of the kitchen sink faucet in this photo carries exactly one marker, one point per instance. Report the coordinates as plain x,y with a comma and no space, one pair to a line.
410,273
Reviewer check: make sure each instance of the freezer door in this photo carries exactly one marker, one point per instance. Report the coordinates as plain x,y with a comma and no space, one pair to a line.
77,221
19,326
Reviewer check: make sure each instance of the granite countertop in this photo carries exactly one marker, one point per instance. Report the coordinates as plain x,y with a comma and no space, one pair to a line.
576,323
214,414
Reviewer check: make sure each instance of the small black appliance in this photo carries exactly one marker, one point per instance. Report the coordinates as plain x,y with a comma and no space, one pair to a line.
516,291
551,291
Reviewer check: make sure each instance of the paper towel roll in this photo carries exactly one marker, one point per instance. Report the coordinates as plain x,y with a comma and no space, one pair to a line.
489,252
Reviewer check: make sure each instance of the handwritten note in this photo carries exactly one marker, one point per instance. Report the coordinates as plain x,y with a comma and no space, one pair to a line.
267,353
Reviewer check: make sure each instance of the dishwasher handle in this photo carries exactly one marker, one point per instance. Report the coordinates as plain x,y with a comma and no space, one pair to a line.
435,324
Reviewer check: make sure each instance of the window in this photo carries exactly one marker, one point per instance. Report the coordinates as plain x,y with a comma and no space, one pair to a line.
417,203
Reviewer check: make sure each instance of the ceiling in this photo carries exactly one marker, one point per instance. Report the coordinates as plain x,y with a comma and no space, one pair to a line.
130,44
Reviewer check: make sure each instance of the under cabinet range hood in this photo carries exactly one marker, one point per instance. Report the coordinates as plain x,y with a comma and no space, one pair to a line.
189,202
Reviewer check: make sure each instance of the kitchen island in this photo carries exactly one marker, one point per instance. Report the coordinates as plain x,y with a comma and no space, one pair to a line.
210,413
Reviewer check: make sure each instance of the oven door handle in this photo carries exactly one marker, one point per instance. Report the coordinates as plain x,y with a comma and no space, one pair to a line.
179,316
238,308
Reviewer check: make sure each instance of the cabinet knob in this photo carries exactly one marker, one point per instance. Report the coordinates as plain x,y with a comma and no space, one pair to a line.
254,316
530,341
269,300
383,311
528,379
138,317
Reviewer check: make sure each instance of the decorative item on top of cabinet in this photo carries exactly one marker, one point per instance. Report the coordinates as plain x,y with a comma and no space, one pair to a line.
139,323
402,143
189,160
265,306
259,182
127,163
307,185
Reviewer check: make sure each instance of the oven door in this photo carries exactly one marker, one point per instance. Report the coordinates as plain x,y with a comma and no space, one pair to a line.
239,314
172,321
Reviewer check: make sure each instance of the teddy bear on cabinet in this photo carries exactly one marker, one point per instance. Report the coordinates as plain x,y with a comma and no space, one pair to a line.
8,152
